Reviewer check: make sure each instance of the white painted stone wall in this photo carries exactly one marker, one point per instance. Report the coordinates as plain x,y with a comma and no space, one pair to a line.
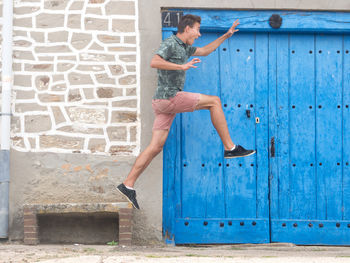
76,79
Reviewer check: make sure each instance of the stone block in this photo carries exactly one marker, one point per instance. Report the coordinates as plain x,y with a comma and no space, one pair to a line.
108,39
46,20
120,8
121,49
15,124
96,1
127,58
58,115
25,10
38,36
63,142
91,68
62,67
38,67
42,82
81,128
90,116
74,95
116,69
96,57
128,80
117,133
59,36
89,93
27,55
55,4
109,92
97,145
59,87
121,149
130,92
96,46
53,49
20,33
79,79
77,5
80,40
22,80
96,24
59,77
22,43
23,22
47,98
26,107
125,103
104,79
25,94
124,116
131,68
93,10
123,25
37,123
130,39
74,21
133,133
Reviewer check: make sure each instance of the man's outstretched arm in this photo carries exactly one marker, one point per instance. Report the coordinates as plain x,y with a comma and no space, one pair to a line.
206,50
160,63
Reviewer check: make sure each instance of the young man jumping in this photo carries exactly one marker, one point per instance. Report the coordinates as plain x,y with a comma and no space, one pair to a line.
169,99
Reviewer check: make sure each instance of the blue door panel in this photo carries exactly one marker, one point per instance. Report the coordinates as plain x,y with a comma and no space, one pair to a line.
346,128
307,173
302,126
202,155
328,125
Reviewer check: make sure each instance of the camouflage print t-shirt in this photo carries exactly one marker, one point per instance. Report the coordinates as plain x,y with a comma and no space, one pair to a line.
174,50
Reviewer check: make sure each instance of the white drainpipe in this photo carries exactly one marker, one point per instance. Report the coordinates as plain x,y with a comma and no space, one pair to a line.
7,78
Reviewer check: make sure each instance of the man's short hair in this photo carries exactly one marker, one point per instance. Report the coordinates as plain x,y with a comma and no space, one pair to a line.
187,20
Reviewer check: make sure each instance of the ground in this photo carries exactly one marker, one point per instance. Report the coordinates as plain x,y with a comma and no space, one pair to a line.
241,253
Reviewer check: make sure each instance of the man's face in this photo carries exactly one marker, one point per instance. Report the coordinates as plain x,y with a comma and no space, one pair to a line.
193,33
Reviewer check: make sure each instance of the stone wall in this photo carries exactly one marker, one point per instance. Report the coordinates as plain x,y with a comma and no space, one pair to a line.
75,77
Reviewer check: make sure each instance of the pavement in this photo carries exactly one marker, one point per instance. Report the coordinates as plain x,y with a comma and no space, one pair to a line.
160,253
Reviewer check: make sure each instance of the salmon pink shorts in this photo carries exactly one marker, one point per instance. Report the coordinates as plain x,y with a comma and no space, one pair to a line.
165,109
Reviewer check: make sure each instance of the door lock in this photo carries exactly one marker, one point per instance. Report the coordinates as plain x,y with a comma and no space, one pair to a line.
257,120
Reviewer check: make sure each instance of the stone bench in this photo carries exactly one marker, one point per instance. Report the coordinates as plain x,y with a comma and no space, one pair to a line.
30,222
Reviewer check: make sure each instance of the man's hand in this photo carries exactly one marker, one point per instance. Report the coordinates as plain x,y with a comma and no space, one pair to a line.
233,29
190,64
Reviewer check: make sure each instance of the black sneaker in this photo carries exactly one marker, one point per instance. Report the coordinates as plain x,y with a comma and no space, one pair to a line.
129,194
239,151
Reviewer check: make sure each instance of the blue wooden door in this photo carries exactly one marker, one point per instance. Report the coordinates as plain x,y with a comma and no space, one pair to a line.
219,200
285,94
309,175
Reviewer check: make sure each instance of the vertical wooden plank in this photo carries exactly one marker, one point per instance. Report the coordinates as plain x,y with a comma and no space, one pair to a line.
261,111
237,91
282,136
302,127
202,151
329,125
346,127
273,161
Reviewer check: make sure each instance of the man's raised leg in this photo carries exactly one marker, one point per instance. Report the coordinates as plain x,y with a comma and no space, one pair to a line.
218,119
213,103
